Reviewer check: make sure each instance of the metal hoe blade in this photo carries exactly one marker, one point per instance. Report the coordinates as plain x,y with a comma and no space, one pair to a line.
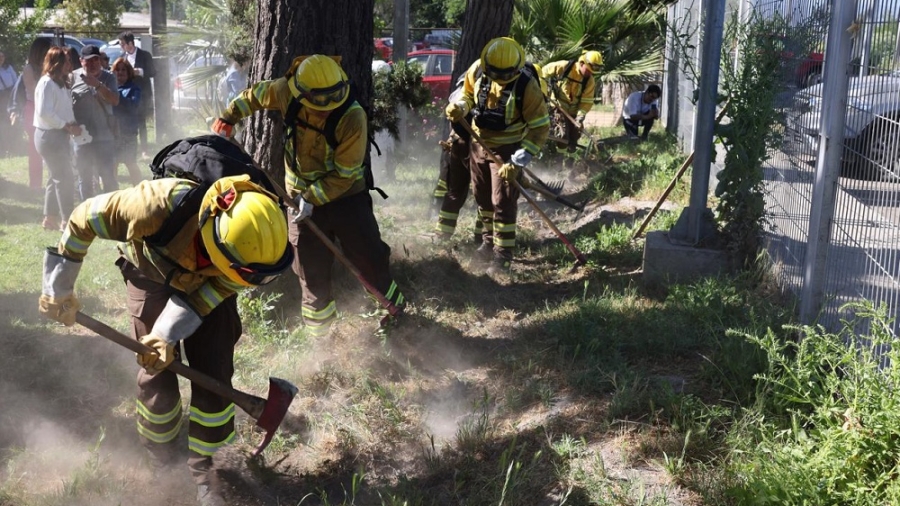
281,394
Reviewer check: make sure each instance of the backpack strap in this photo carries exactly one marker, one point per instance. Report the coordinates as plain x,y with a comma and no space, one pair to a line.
329,131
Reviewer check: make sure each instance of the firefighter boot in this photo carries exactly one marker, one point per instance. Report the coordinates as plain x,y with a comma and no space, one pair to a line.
500,266
483,254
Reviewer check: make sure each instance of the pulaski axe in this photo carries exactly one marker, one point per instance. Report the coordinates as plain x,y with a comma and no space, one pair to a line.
268,413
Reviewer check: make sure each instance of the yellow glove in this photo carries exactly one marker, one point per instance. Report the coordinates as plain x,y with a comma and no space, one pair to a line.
456,111
62,309
508,172
162,355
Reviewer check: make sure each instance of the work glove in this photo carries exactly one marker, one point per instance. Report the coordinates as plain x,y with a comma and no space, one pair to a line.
580,120
508,172
162,355
57,300
521,158
304,209
223,128
456,111
61,309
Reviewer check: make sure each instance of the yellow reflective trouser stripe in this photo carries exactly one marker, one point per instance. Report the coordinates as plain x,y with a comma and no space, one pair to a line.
500,227
394,295
155,419
505,243
319,316
159,437
318,330
441,227
448,216
208,449
212,419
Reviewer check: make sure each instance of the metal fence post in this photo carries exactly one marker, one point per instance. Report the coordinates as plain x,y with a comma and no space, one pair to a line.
828,163
699,223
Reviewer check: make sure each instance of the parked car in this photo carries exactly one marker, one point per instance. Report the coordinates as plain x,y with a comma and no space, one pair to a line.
384,47
437,65
96,42
198,83
871,129
64,39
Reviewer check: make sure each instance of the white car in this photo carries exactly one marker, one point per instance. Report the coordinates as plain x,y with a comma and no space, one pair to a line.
871,129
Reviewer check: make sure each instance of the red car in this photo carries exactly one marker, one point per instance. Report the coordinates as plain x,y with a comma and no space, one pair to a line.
384,47
437,65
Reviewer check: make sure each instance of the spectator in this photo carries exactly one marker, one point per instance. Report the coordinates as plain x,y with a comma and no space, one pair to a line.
234,82
74,58
8,78
95,93
128,114
142,62
104,60
54,121
641,109
30,75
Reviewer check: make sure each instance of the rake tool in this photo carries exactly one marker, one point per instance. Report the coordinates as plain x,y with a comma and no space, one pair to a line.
592,142
579,256
268,412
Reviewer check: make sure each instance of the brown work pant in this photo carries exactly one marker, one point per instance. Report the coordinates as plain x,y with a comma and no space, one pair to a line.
352,222
497,198
209,350
457,179
572,131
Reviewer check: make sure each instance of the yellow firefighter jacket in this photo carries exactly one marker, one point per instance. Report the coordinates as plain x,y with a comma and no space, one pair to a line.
130,215
530,127
573,91
319,173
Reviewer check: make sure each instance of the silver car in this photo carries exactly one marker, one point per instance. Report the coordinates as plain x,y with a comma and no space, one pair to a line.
871,129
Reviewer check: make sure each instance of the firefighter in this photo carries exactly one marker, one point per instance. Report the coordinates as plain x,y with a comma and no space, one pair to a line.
512,128
328,183
455,179
572,89
180,291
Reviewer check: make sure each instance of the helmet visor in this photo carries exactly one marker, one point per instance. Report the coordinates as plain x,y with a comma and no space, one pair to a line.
501,75
254,274
323,97
594,67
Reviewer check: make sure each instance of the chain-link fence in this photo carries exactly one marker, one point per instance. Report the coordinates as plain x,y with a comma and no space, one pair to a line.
833,221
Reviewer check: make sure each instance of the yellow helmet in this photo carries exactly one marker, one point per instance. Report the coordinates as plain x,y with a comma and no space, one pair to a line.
502,59
244,231
320,83
592,59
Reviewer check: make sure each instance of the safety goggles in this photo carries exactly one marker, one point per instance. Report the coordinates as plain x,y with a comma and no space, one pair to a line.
501,75
323,97
254,274
594,68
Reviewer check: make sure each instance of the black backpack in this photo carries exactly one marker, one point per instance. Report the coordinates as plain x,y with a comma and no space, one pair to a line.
495,118
203,159
291,121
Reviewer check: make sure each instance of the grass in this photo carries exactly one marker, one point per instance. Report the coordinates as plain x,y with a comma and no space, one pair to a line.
546,387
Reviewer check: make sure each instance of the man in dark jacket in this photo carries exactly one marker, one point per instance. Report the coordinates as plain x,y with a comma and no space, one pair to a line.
142,61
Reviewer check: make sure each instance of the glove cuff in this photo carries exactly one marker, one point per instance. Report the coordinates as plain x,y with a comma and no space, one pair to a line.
521,157
60,273
177,321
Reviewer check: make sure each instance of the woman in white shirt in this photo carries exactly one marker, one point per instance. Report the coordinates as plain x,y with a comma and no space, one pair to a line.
54,122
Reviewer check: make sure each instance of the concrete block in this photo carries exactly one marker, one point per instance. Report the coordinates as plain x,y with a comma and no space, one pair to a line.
667,263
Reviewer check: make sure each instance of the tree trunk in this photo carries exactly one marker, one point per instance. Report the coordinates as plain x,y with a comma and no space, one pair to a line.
484,20
286,29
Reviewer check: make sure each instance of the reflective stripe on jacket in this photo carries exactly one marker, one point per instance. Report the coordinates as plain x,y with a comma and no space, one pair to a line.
130,215
569,88
320,174
530,128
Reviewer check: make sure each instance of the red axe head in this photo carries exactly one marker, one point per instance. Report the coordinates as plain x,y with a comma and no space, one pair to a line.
281,394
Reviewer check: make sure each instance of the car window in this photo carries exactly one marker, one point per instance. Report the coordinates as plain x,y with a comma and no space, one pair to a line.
443,65
420,60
